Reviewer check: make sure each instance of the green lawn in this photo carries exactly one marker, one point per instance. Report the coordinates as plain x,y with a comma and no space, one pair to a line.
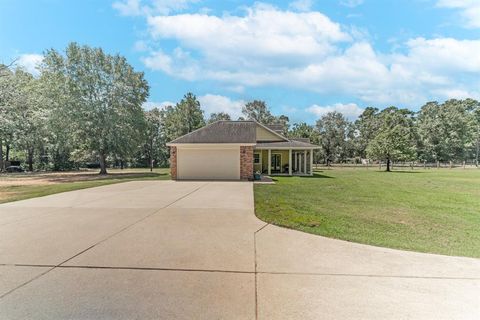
435,211
15,187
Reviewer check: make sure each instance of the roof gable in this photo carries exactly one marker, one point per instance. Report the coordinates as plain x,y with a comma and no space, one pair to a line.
221,132
263,133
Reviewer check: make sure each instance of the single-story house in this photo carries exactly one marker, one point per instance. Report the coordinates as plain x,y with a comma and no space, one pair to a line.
235,150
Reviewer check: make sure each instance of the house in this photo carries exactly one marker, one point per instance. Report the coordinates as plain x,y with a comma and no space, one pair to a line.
234,150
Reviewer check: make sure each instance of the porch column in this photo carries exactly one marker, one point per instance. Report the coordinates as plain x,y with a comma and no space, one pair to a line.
305,162
311,162
290,162
269,162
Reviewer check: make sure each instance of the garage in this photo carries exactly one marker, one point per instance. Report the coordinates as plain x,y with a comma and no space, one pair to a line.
217,163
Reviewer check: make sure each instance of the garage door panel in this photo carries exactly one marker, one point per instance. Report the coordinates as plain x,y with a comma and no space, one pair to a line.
214,163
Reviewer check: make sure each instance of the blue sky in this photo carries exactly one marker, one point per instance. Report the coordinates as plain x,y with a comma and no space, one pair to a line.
304,58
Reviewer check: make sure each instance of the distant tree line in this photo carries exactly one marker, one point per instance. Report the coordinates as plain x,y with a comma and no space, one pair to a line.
84,109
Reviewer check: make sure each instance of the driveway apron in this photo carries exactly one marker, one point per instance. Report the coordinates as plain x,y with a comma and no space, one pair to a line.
195,250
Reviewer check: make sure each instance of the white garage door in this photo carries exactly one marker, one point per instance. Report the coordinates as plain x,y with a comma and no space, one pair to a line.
213,163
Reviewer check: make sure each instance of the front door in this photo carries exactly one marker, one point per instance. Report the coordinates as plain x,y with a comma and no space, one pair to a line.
276,162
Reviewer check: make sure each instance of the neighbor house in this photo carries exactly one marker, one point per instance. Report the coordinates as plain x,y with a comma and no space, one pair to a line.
235,150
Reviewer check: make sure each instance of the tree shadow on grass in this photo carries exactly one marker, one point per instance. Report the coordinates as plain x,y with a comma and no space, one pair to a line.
315,175
400,171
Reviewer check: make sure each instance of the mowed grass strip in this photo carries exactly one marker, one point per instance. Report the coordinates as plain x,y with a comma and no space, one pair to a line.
53,183
435,211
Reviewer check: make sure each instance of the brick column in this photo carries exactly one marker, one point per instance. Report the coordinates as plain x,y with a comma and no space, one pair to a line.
173,163
246,162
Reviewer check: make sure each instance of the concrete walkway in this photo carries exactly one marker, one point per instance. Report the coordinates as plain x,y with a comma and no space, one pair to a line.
195,250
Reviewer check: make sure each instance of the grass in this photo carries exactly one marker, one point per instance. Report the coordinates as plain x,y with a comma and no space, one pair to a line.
14,187
436,211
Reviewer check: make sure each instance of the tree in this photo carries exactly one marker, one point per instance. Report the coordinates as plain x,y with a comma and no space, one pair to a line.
218,116
257,110
333,129
30,116
445,130
63,144
8,94
366,127
183,118
395,139
154,147
303,130
284,121
105,95
476,130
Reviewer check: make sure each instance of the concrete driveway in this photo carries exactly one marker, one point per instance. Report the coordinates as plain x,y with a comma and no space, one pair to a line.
195,250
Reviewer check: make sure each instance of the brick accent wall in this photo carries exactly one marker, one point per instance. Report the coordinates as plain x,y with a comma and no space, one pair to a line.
173,163
246,162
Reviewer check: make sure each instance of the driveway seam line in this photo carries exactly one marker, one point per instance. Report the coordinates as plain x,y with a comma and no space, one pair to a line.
255,260
129,226
101,241
241,272
256,273
266,225
27,282
183,197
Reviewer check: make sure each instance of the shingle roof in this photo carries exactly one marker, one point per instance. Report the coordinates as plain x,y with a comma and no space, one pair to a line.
278,128
307,140
222,132
286,144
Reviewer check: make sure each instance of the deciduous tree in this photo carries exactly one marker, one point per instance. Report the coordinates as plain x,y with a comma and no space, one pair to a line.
218,116
105,95
333,129
183,118
395,139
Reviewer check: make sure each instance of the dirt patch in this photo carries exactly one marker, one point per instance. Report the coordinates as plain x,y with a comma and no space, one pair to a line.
24,179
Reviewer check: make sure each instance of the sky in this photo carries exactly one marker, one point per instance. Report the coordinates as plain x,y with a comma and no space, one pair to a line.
303,57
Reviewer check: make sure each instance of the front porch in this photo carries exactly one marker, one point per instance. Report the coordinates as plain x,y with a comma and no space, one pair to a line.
285,162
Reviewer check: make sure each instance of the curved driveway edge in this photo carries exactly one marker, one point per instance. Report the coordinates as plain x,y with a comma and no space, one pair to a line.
195,250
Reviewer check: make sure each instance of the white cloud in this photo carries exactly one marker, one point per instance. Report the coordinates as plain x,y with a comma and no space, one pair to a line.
159,61
267,46
30,62
178,64
128,7
251,40
139,7
140,46
301,5
349,110
351,3
212,103
470,10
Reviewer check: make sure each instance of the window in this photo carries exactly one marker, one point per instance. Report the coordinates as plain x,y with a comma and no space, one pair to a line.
256,158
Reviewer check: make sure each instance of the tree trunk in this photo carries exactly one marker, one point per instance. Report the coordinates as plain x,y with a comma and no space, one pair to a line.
121,164
478,151
30,159
2,164
7,153
103,165
151,155
388,164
